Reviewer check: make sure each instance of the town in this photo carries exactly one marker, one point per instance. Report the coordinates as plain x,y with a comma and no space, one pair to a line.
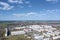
35,32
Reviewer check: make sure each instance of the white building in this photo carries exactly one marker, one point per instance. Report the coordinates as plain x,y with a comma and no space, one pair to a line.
6,31
46,39
56,37
38,37
17,32
14,32
19,27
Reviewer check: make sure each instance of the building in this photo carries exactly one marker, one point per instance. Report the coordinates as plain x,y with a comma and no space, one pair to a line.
17,32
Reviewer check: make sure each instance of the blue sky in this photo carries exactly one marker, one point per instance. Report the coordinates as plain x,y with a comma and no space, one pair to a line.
29,9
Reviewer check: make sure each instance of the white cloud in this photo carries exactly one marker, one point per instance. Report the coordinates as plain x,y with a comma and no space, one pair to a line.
6,6
31,13
35,14
0,14
29,5
13,1
27,2
21,6
24,14
18,15
16,1
10,7
52,1
20,2
50,11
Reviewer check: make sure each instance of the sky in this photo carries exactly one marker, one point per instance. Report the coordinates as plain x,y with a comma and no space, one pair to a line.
29,10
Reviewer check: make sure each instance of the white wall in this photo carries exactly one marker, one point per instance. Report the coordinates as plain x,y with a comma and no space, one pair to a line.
17,32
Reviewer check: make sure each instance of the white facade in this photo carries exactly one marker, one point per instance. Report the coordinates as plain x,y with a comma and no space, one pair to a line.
19,27
17,32
38,37
46,39
6,31
56,37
